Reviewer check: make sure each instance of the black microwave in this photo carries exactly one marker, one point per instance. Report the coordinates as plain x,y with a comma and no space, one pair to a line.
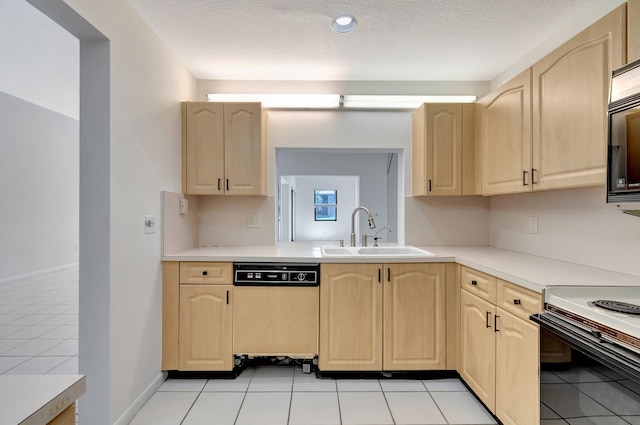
623,164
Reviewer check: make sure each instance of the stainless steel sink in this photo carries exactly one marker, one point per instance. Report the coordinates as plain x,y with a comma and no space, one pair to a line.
375,251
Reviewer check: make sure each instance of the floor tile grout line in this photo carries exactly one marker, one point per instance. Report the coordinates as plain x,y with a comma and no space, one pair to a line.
437,406
192,404
384,394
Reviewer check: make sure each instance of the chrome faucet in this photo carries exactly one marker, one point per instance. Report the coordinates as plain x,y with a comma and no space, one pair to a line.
375,236
372,224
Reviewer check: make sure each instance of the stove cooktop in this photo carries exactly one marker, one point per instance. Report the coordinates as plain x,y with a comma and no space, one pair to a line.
617,306
590,308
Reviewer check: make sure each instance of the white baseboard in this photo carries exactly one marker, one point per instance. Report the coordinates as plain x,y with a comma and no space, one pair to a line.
137,404
37,273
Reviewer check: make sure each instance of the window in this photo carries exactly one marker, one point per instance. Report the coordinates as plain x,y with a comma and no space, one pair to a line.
326,204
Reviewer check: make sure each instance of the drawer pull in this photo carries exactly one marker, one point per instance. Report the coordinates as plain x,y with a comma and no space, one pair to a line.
517,302
204,273
474,282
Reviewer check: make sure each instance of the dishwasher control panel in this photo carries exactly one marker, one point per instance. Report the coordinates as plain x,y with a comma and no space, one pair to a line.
276,274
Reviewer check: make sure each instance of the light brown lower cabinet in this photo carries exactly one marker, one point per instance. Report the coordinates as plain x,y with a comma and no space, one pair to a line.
500,348
205,328
355,297
66,417
478,347
517,370
197,314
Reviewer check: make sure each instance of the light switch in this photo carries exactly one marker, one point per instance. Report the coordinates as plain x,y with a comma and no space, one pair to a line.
149,223
184,206
533,225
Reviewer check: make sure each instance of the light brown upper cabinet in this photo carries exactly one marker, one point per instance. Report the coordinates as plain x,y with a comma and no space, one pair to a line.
504,127
223,149
546,128
442,151
570,96
633,30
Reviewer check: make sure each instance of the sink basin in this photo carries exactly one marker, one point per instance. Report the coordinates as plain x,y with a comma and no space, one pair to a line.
337,251
375,251
404,251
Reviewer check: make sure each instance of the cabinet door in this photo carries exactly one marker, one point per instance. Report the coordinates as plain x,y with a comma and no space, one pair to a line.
243,148
444,149
204,148
570,96
350,317
517,370
477,347
414,317
205,328
633,30
437,149
506,137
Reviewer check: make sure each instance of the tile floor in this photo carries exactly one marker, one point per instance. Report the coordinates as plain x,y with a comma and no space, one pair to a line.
588,395
39,324
279,395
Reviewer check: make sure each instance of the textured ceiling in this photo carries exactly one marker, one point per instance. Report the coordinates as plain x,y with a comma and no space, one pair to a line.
395,40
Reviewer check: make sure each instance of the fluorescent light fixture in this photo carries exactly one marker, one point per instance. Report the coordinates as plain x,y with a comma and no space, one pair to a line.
322,101
400,102
281,100
344,23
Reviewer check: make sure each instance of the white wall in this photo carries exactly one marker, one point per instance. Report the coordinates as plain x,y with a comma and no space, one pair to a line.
39,91
40,60
574,225
306,228
146,85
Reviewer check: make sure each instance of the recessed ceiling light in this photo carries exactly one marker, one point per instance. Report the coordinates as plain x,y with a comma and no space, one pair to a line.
344,23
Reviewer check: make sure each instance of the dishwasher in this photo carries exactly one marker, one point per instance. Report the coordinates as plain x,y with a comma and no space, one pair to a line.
276,310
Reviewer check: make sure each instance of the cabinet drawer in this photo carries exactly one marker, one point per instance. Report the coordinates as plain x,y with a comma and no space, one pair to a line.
206,273
478,283
517,300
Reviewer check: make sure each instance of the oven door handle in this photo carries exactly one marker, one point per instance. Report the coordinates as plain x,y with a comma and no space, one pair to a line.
622,360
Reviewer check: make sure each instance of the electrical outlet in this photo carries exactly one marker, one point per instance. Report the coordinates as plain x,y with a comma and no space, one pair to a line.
254,220
184,206
533,225
149,224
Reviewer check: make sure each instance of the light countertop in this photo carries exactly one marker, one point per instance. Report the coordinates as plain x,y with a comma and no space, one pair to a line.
526,270
37,399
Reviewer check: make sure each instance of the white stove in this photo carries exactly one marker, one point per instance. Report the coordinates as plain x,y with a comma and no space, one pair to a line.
582,316
594,309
